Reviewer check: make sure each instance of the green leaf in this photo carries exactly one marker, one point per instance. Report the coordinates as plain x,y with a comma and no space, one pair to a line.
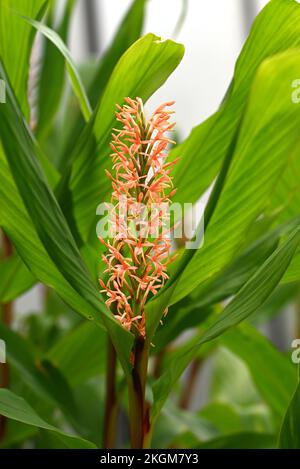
16,408
223,416
45,380
180,317
16,434
175,422
293,273
74,76
15,278
232,383
252,295
275,29
242,267
47,245
286,196
28,244
266,364
268,136
51,80
142,69
282,297
255,292
234,275
16,39
289,437
80,354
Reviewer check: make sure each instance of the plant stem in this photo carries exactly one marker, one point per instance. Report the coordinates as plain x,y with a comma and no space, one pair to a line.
7,317
138,407
189,387
111,402
158,363
4,383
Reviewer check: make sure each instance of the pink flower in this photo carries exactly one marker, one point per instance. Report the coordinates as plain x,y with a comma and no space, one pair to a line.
137,258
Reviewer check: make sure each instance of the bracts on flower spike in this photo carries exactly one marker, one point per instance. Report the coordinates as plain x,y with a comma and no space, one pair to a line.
138,250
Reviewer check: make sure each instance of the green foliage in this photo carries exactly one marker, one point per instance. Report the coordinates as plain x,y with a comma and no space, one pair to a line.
16,40
16,408
289,433
52,177
75,80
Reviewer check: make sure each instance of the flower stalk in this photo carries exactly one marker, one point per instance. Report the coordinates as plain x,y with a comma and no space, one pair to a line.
138,243
138,407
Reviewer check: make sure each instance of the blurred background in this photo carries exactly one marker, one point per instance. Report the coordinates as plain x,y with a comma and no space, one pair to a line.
213,33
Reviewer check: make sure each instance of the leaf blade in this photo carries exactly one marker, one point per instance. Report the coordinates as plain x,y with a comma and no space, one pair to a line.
252,295
16,408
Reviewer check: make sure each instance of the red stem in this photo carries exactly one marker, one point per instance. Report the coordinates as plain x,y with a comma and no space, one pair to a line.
189,387
139,418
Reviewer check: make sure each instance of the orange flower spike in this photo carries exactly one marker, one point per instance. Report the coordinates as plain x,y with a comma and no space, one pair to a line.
136,265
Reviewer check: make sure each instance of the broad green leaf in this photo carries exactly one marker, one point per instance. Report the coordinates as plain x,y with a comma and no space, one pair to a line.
80,354
16,434
47,245
230,416
176,351
74,76
258,288
234,275
51,80
287,193
90,396
293,273
28,244
267,137
15,278
251,296
16,39
180,317
223,416
282,297
286,200
275,29
142,69
16,408
40,376
266,364
286,196
231,383
289,437
174,422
